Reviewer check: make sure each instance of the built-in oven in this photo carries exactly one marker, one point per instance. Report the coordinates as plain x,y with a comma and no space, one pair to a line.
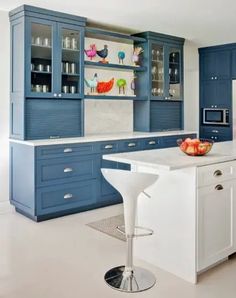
216,116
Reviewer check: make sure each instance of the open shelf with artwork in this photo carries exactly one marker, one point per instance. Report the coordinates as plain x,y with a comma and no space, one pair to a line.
112,64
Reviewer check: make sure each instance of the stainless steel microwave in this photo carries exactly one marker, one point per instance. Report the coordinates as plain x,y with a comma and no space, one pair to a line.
216,116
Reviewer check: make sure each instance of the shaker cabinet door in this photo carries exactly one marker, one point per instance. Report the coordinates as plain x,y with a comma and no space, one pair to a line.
216,223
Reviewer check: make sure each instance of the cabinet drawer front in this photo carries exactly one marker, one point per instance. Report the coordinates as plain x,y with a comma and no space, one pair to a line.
130,145
63,170
67,196
213,174
151,143
44,152
172,141
108,147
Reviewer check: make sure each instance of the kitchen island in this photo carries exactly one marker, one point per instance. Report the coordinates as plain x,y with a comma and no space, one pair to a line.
192,208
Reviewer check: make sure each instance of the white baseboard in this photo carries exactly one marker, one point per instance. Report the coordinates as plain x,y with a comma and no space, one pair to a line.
5,207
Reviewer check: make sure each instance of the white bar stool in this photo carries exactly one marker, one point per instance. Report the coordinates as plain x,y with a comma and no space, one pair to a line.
130,184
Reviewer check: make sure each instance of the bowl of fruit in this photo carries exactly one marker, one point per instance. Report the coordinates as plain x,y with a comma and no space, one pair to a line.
195,147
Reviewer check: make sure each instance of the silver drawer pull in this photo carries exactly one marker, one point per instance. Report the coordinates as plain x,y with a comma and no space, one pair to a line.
68,170
152,142
219,187
108,147
68,196
68,150
215,130
54,137
131,144
218,173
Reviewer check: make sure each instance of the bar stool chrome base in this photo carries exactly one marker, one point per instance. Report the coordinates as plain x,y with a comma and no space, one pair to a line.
139,280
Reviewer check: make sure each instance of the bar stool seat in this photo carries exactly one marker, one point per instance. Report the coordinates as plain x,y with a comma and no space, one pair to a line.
128,278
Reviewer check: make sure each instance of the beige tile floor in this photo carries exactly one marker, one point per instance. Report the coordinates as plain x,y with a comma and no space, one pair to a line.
64,258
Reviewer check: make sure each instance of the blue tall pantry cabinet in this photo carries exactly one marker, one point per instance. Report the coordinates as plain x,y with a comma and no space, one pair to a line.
46,70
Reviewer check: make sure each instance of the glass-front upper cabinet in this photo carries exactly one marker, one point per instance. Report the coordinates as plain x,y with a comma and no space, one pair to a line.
175,74
71,61
166,72
157,71
53,60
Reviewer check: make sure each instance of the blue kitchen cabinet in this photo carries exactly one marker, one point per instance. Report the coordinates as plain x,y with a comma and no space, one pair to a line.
216,73
64,179
46,64
234,64
216,94
163,84
215,64
216,133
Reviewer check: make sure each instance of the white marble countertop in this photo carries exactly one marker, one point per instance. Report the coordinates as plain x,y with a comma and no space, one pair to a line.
174,159
102,137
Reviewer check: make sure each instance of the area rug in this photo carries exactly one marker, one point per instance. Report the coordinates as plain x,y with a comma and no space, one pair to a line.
108,226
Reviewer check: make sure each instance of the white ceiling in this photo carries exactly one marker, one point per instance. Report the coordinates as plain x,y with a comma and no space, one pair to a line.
204,22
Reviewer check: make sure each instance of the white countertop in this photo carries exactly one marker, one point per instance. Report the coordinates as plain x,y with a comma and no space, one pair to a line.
174,159
101,137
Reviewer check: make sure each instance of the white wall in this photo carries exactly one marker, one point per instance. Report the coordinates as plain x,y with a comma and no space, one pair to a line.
4,105
191,86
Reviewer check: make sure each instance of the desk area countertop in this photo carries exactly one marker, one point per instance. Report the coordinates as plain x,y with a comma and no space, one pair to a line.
102,137
174,159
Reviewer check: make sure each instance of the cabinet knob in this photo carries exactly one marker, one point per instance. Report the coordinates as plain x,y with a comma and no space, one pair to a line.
67,150
108,147
212,78
215,78
152,142
68,196
55,94
218,173
68,170
59,95
131,144
219,187
215,130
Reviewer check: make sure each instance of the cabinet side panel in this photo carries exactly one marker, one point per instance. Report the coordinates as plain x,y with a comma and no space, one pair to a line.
17,56
17,118
22,177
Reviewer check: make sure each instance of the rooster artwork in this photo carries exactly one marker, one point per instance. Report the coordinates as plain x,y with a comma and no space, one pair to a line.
136,53
91,52
92,84
103,54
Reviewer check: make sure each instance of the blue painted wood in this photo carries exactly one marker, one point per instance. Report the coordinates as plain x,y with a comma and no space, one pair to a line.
42,197
146,114
112,66
216,92
130,145
67,150
66,169
171,141
233,64
216,133
17,118
22,183
33,11
215,64
52,118
165,115
66,196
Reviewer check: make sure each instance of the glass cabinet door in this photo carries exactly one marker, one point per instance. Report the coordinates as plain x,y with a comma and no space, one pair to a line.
174,87
71,62
39,59
157,71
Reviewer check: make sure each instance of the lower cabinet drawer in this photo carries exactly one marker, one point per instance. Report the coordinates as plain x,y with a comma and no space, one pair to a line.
172,140
65,170
67,196
216,173
130,145
151,143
